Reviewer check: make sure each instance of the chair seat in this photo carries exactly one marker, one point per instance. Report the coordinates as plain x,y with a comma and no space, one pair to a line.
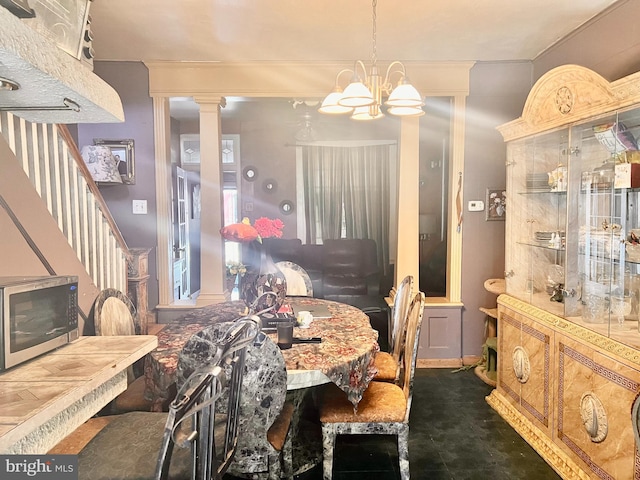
132,399
73,443
124,445
277,433
387,367
381,402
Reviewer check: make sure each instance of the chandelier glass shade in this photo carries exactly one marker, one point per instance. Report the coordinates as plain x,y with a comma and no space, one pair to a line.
363,98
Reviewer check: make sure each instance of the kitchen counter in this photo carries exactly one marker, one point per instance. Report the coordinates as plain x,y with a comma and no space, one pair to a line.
45,399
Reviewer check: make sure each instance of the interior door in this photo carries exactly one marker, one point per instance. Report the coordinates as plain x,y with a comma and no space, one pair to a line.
181,285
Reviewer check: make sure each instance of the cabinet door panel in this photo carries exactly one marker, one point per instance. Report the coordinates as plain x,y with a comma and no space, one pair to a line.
593,385
536,391
509,328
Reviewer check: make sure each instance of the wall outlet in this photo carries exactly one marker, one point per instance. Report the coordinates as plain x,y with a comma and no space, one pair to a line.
139,207
475,206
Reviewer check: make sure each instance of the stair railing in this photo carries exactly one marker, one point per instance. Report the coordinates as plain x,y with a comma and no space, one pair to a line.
52,161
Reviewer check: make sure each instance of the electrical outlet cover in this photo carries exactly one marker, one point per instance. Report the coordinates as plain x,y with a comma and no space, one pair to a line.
139,207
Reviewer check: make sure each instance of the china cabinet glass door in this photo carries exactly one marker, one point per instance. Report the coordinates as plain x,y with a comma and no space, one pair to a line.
538,179
607,219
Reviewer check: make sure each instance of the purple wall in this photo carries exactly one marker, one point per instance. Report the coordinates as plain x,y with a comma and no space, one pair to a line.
131,81
609,45
497,94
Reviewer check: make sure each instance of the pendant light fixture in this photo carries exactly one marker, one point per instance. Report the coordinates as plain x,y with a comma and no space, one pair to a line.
363,98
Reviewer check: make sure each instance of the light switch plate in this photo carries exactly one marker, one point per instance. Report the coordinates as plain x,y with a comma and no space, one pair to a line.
139,207
475,206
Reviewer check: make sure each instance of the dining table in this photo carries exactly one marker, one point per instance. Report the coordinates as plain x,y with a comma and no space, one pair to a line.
345,354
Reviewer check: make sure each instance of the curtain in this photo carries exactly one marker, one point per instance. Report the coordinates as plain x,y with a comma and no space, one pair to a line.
347,194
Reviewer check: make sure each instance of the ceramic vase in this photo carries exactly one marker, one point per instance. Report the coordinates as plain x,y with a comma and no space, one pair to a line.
263,276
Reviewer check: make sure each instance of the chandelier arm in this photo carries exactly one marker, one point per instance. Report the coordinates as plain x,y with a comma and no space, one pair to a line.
386,84
364,69
344,70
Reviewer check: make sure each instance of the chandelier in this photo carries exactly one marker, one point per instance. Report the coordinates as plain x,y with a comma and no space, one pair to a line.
363,99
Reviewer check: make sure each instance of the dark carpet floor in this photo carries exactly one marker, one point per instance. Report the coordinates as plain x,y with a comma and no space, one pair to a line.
454,435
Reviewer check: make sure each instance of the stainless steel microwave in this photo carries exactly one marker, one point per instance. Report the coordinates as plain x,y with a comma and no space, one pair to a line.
37,315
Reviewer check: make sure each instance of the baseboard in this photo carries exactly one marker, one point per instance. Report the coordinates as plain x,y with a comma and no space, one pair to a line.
448,362
439,363
471,359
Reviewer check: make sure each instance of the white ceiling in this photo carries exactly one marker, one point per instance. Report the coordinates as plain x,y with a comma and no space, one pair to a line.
333,30
243,30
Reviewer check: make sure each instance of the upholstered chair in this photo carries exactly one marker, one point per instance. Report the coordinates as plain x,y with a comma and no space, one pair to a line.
384,408
115,314
388,364
298,280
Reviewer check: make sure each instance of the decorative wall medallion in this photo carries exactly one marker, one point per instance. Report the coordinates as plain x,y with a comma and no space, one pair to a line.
564,100
286,207
521,365
594,417
250,173
270,185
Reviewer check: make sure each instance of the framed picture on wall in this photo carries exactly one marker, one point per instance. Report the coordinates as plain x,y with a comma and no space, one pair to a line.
122,150
496,204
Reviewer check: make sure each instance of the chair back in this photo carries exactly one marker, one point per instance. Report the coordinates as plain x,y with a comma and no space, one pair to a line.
209,398
263,396
408,369
298,280
115,314
401,302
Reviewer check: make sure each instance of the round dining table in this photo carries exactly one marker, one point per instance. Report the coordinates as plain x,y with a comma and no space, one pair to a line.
344,356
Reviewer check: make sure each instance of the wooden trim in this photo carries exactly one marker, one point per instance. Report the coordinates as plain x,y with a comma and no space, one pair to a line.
73,150
439,363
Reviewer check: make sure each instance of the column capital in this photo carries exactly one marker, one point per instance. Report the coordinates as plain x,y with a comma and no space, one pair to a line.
210,100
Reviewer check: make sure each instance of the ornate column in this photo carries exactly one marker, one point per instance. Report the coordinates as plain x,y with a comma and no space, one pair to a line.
137,286
162,134
212,269
407,255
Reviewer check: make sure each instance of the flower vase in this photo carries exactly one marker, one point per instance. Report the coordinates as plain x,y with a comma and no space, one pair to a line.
231,282
263,277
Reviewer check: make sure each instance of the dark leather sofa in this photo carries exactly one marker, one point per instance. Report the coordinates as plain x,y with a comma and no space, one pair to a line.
338,267
344,270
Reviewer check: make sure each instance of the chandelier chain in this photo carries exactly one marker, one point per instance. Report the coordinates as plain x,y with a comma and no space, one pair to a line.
374,54
362,98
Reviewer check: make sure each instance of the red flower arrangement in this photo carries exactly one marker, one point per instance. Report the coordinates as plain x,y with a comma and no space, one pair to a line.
244,232
268,228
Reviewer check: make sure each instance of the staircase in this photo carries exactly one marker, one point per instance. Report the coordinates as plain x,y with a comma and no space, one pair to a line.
51,160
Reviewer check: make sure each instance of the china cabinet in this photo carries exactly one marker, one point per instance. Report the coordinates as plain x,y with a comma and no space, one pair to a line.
568,330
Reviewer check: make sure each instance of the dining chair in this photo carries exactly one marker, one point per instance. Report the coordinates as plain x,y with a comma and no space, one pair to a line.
142,445
298,280
384,408
264,445
388,364
115,314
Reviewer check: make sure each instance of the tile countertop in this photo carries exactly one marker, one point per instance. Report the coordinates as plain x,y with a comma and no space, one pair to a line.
45,399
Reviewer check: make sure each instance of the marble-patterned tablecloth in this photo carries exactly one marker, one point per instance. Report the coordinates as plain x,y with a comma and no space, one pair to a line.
345,355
